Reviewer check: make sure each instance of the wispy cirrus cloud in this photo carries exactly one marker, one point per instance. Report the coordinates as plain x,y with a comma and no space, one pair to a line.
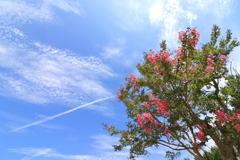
116,53
170,15
39,73
46,153
12,11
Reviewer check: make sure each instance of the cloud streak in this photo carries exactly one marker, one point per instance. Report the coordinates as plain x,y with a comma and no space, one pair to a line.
32,153
60,114
38,73
15,11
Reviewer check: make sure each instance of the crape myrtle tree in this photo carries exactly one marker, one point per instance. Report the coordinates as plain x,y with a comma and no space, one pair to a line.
232,90
171,105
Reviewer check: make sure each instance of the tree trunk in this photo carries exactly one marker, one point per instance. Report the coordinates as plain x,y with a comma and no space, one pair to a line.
236,152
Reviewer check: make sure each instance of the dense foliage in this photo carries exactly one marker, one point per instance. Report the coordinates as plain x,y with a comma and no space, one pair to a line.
178,101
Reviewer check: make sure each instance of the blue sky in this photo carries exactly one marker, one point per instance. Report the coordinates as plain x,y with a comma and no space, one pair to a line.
57,55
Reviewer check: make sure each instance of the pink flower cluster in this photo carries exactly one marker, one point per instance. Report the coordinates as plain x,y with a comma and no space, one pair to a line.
134,79
118,96
222,117
180,70
181,34
192,67
166,131
176,124
223,58
195,39
237,114
210,63
164,56
162,109
162,105
194,34
200,135
237,127
179,52
142,120
146,104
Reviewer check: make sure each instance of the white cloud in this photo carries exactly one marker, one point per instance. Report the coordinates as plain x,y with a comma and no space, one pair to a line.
206,7
172,14
114,50
104,142
38,73
130,14
111,52
168,14
31,153
103,109
116,53
12,11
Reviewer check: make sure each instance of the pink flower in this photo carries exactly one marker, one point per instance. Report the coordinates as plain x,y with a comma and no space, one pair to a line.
179,51
164,55
162,112
155,67
147,130
159,74
221,116
238,111
151,97
223,58
192,67
176,124
228,117
166,131
209,69
152,58
180,70
210,55
162,106
202,126
180,35
237,127
200,136
171,61
118,96
146,104
139,121
147,117
237,116
196,33
210,62
154,123
133,78
135,86
195,39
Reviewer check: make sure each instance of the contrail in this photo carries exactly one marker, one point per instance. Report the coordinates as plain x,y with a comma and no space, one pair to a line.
60,114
